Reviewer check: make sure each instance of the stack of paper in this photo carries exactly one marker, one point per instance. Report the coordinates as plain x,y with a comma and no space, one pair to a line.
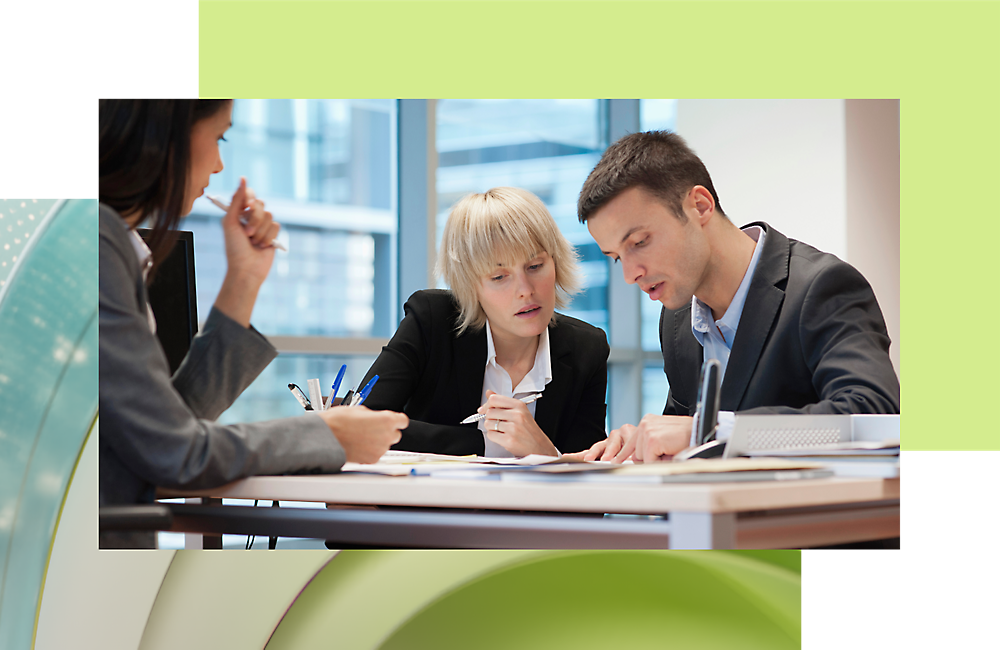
853,458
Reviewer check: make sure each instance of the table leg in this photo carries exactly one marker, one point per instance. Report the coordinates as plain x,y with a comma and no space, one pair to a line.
702,530
211,541
272,542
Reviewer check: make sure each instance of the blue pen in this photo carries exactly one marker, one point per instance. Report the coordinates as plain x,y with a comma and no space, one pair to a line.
367,389
336,384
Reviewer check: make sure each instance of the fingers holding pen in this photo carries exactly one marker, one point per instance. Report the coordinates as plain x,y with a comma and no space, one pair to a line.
248,212
259,224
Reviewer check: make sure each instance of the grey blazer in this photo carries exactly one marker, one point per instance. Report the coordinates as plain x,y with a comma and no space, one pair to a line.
811,340
158,430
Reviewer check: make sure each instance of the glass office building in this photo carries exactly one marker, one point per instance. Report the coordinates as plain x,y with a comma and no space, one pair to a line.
546,146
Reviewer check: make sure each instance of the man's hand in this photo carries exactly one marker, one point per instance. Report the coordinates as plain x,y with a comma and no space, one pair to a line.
658,437
608,448
365,435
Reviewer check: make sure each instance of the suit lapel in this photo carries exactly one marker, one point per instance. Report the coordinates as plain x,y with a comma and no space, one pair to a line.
759,312
683,356
470,359
557,391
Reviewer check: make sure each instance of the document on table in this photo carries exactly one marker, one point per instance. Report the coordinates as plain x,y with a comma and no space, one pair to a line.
856,459
408,463
694,471
548,468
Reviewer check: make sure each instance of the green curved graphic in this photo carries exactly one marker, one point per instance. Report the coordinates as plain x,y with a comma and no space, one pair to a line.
48,399
545,599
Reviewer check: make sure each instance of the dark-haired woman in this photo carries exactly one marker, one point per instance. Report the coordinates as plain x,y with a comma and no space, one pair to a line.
156,158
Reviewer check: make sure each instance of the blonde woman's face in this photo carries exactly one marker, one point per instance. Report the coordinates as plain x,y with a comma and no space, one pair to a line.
519,298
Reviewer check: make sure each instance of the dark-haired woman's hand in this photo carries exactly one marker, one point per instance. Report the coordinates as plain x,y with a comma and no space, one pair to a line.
365,435
249,230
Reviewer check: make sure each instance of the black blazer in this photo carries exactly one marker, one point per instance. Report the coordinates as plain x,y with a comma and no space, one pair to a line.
436,378
811,340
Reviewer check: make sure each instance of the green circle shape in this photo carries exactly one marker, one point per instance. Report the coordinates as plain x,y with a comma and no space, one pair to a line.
546,599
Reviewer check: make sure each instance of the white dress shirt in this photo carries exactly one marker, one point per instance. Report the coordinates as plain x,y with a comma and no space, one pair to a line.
716,336
497,380
145,263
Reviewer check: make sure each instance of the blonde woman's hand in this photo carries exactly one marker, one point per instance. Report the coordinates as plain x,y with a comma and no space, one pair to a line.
509,424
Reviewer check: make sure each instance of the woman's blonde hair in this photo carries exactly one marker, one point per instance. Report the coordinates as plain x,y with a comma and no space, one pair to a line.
504,225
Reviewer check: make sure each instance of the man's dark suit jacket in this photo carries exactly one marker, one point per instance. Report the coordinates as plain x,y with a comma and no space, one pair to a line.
811,340
436,378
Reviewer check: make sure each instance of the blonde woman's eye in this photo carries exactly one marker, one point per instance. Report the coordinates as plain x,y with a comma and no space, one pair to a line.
535,267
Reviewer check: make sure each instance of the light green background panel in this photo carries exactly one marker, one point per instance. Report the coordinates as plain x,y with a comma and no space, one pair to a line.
48,398
940,59
546,599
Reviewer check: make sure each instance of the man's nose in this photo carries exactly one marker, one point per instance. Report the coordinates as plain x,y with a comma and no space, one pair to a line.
632,272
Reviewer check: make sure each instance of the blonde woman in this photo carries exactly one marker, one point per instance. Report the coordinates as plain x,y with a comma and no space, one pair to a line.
495,338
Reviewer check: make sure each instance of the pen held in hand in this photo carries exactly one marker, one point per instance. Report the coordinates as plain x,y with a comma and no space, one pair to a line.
217,202
479,416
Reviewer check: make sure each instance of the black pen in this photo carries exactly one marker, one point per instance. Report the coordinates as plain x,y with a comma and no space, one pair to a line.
300,396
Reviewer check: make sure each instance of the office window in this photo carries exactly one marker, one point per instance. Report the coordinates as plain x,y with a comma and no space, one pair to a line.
655,115
654,388
327,171
268,398
545,146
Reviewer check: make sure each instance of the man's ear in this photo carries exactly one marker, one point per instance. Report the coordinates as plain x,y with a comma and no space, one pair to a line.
700,201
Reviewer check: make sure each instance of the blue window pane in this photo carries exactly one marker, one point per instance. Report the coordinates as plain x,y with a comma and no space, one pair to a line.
658,114
545,146
326,171
655,115
654,389
268,398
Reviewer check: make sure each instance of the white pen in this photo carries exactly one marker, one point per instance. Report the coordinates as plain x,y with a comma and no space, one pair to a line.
315,394
222,206
479,416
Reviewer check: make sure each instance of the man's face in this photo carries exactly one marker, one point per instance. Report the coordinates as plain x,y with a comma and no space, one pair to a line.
668,258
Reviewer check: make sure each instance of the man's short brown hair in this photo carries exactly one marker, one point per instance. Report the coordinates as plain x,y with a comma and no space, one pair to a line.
658,161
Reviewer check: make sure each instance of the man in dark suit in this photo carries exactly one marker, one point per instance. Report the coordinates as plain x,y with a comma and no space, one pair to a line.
795,330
